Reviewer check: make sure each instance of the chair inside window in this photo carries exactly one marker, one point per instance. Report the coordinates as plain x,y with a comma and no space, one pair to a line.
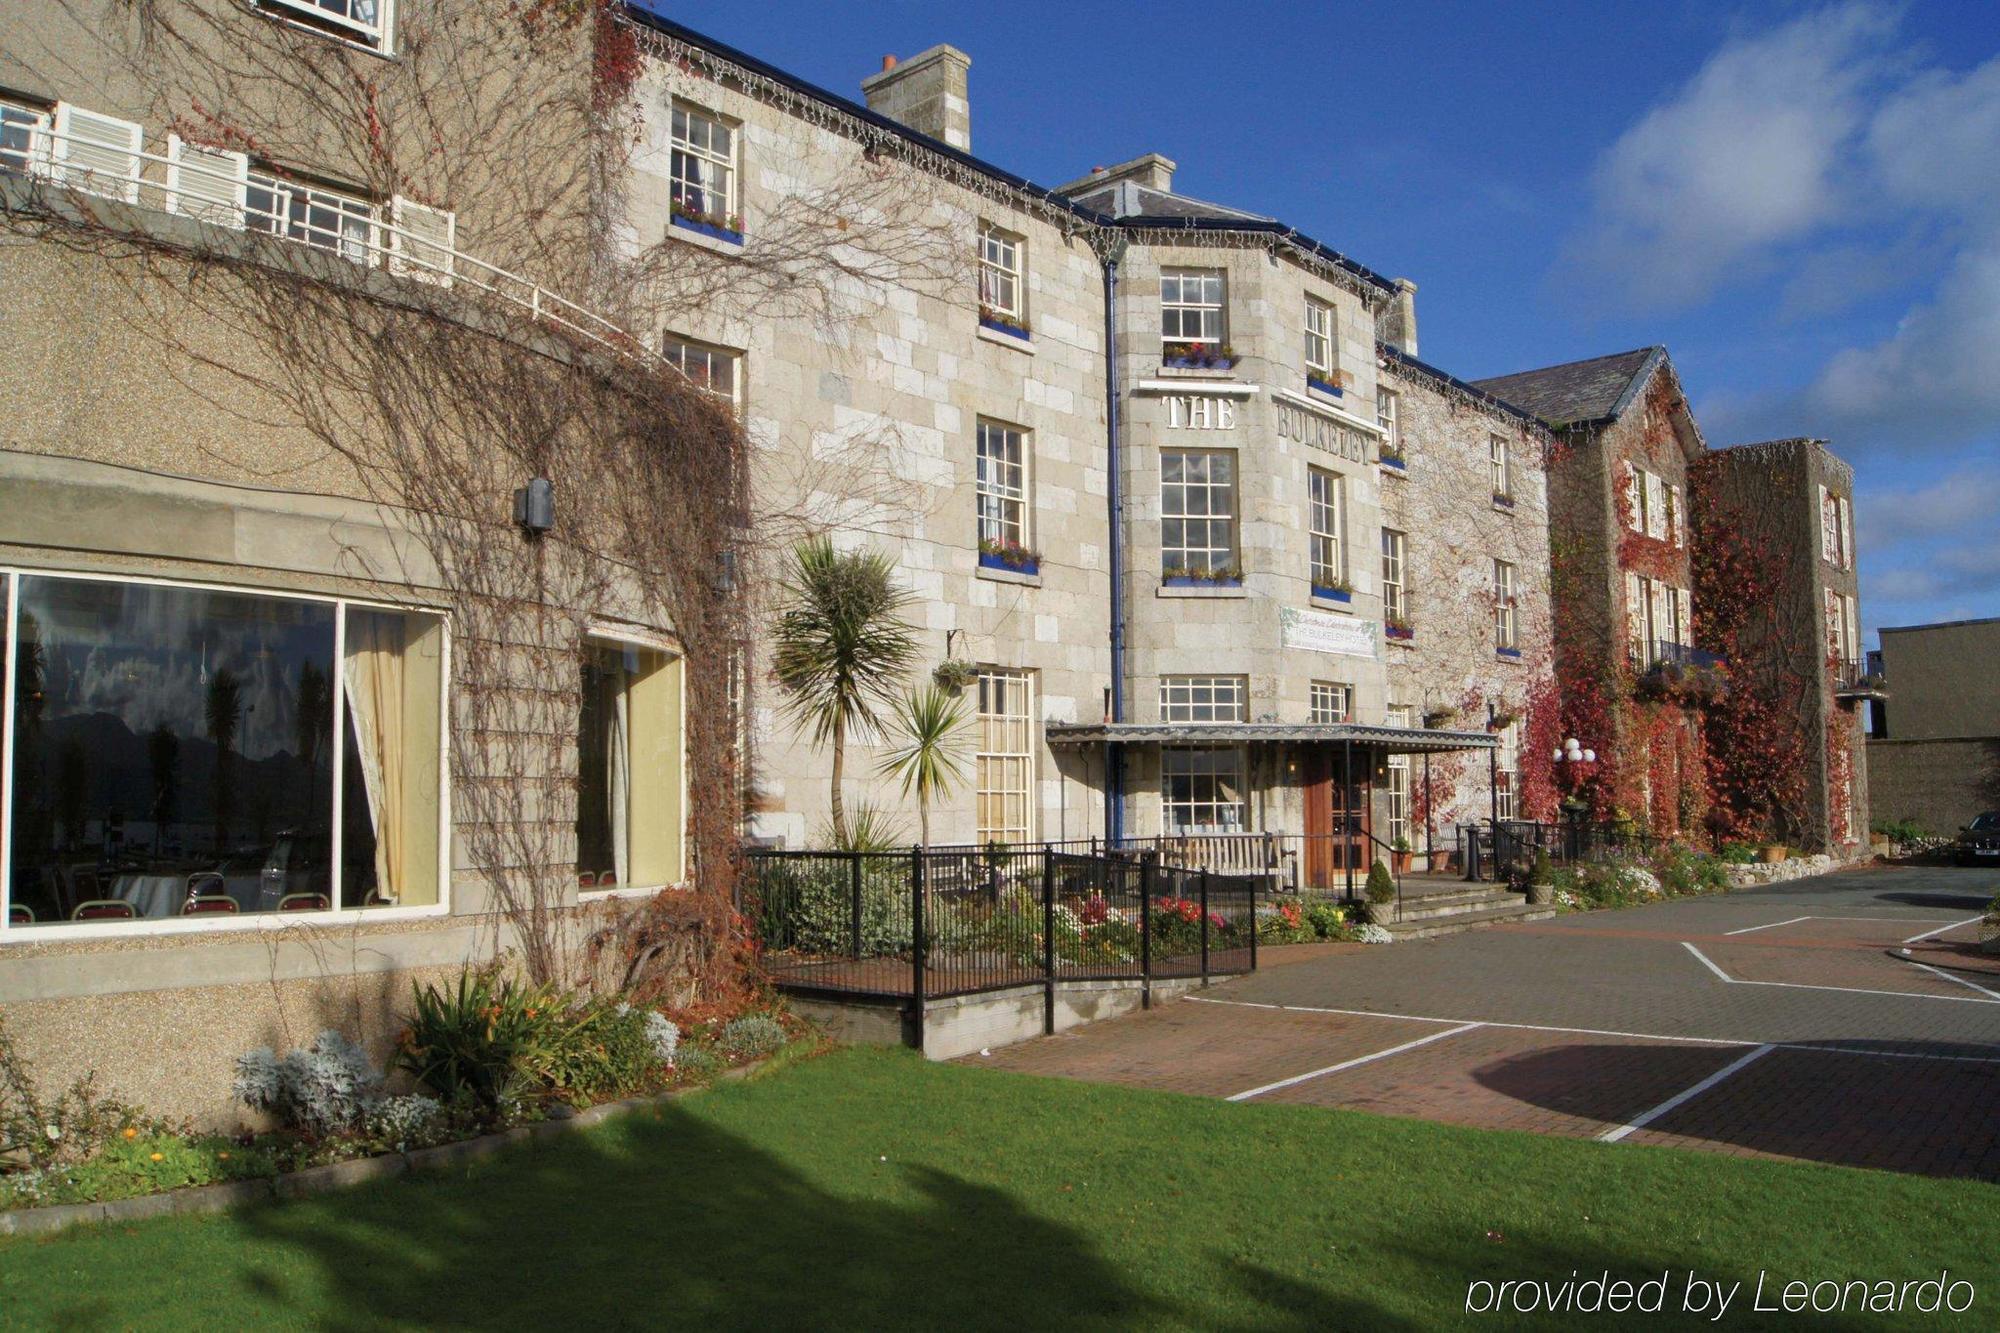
607,879
104,909
586,879
83,885
20,914
303,902
210,904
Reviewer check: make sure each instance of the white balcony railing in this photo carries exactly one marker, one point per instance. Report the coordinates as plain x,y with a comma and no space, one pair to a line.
192,184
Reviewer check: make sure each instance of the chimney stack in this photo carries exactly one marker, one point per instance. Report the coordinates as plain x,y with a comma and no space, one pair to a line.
1397,325
927,92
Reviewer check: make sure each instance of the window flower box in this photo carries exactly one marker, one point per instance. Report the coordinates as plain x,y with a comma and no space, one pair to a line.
1511,654
1502,501
1333,592
725,227
989,318
1176,577
1197,356
1393,461
1398,629
1009,555
1327,386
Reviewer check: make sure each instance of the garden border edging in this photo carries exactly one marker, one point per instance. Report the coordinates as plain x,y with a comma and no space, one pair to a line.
333,1176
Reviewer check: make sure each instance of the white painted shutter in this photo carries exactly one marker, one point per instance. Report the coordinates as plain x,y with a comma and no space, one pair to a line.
1635,517
1850,618
1825,526
1846,534
206,183
1684,614
97,153
421,245
1656,506
1676,517
1833,634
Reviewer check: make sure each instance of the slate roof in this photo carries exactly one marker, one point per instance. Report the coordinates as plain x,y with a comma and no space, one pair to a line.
1579,391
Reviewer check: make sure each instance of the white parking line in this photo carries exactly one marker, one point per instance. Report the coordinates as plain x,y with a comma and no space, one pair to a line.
1600,1032
1640,1122
1350,1064
1474,1022
1788,921
1940,972
1845,990
1942,929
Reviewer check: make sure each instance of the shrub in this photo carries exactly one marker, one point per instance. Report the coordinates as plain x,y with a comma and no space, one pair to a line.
697,1064
399,1124
1609,883
1285,924
807,904
752,1035
147,1163
490,1044
322,1090
1737,853
1682,870
1381,887
1328,920
1902,830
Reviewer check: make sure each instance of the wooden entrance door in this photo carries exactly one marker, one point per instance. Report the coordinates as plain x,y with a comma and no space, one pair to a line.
1338,800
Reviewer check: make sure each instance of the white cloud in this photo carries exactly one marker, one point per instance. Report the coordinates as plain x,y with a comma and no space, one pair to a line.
1747,156
1942,509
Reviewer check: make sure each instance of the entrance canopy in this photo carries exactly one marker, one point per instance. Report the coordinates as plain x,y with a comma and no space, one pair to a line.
1389,740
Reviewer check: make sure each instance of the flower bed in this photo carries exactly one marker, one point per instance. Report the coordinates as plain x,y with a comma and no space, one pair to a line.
490,1060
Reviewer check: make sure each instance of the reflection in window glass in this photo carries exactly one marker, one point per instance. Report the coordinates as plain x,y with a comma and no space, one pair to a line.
171,752
189,752
629,764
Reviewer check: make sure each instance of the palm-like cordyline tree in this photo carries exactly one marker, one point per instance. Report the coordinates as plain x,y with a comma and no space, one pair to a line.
929,753
842,647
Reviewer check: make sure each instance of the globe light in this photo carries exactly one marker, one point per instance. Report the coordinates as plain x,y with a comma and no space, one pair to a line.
1590,756
1559,756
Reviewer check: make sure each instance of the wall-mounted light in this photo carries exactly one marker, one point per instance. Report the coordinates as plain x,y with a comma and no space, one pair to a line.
535,506
1570,752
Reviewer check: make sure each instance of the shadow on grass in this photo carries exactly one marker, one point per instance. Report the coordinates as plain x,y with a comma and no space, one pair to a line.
668,1222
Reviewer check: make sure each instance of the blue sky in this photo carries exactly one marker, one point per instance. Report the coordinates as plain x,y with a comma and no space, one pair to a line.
1802,201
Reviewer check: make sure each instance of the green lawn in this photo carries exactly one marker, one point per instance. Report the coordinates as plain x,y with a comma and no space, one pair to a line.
869,1189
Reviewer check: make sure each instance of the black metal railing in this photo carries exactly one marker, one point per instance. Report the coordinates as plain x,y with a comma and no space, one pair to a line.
1506,850
962,921
1665,651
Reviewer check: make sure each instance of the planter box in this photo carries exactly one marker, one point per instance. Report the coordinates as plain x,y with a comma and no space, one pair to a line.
1394,463
1189,363
999,326
1325,386
1000,562
1511,654
1332,594
1503,501
1394,632
1185,581
708,229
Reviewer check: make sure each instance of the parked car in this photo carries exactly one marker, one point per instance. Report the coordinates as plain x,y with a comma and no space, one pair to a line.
1979,841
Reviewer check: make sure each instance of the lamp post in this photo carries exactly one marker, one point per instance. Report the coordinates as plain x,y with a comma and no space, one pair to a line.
1577,761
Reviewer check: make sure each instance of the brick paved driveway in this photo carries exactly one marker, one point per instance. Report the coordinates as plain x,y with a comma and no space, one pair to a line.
1841,1019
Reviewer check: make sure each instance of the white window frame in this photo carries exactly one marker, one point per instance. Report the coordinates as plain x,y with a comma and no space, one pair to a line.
1395,562
1397,787
1321,349
1846,531
375,36
312,231
1196,293
1329,703
1204,699
1501,456
1222,493
36,122
1326,501
698,363
1213,773
1003,281
730,164
1507,773
992,755
1389,417
10,576
1506,614
605,634
1656,506
1000,482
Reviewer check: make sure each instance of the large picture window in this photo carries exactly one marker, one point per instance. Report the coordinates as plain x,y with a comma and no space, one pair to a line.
1005,760
1198,514
630,807
193,752
1330,703
1203,699
1201,789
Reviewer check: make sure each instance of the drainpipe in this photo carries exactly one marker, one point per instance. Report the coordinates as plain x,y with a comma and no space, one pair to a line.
1114,755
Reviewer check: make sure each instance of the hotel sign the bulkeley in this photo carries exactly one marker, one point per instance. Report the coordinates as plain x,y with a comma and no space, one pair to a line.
1323,432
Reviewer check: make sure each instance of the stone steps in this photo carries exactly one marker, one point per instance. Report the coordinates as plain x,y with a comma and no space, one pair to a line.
1512,908
1470,898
